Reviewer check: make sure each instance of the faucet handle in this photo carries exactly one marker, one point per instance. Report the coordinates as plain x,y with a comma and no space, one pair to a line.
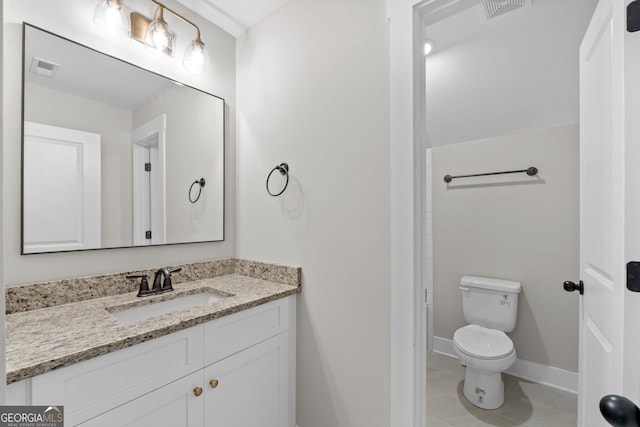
157,280
166,285
144,284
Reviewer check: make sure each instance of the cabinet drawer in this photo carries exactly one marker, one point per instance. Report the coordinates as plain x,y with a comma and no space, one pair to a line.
228,335
94,386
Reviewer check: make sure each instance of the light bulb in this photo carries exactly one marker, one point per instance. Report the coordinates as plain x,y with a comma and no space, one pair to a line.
196,57
109,16
158,36
428,47
160,39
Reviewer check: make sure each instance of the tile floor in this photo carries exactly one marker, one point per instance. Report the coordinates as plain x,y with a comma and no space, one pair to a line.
526,403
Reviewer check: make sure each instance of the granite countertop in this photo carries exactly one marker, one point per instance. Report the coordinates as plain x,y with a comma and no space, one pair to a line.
40,340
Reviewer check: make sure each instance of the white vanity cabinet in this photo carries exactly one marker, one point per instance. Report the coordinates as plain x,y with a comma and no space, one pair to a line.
238,370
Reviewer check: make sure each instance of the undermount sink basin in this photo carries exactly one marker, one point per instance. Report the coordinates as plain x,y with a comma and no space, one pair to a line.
154,309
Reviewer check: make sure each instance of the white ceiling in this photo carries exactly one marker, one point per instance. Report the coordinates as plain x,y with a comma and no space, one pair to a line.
514,73
233,16
511,74
122,85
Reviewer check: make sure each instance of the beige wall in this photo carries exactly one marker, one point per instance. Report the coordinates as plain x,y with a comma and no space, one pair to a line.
313,91
523,229
74,21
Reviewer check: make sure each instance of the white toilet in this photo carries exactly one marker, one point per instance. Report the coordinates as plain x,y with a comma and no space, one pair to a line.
490,307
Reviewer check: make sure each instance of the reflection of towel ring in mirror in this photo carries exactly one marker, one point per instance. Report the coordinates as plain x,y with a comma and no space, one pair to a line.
200,181
283,168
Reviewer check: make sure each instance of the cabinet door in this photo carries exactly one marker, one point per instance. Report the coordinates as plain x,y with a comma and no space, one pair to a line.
250,388
174,405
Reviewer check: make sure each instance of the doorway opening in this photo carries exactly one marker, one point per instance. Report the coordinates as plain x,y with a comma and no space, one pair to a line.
473,102
149,183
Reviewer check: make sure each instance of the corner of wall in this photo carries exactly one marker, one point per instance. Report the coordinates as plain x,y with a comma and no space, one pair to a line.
3,386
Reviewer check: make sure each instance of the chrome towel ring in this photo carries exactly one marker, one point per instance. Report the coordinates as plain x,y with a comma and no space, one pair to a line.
283,168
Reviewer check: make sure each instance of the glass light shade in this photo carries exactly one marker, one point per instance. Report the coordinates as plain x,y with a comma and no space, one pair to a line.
196,58
428,47
158,36
110,17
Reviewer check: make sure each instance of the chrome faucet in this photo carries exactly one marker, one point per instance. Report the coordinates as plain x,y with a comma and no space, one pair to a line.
159,285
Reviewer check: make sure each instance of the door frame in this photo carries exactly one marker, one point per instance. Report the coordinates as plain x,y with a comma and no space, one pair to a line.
407,216
631,344
408,189
151,137
626,57
408,406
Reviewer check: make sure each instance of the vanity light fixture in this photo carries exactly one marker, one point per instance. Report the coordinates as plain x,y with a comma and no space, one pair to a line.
109,16
154,33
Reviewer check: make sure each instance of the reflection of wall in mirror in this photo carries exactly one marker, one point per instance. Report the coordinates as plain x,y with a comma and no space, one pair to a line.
194,150
114,125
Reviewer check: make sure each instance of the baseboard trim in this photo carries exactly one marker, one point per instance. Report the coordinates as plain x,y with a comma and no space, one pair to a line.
530,371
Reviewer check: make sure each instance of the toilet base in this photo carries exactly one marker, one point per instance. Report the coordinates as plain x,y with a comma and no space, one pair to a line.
484,389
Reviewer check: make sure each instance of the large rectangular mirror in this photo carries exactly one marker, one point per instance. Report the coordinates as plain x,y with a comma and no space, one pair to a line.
114,155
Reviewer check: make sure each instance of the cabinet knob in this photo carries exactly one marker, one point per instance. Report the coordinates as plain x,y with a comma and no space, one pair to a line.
197,391
213,383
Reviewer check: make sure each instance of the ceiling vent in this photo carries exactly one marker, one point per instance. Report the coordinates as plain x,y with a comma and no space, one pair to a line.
495,8
44,68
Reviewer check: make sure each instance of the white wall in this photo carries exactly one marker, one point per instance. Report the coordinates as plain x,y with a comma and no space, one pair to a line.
513,227
74,21
2,141
313,91
197,153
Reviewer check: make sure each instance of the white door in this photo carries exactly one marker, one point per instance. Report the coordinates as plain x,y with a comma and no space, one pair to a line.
61,189
605,207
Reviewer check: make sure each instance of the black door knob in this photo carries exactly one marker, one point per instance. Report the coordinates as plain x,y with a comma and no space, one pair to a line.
570,286
619,411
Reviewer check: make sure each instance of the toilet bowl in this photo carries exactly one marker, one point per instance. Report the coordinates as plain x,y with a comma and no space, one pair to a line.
485,353
490,307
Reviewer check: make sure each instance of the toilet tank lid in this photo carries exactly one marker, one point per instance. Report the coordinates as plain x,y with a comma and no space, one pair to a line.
490,283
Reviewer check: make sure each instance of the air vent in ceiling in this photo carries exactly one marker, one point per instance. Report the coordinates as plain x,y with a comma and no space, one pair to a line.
495,8
45,68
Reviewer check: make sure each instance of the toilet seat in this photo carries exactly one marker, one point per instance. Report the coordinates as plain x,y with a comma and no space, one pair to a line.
483,343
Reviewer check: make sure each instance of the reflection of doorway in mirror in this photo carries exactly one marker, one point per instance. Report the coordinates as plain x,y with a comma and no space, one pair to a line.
149,182
61,189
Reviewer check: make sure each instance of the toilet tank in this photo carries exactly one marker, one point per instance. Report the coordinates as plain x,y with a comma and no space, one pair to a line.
489,302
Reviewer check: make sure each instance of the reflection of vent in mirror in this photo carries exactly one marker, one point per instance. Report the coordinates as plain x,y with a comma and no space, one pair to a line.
44,68
494,8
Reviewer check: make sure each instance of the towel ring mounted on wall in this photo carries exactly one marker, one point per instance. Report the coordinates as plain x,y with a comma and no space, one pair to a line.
200,181
283,168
